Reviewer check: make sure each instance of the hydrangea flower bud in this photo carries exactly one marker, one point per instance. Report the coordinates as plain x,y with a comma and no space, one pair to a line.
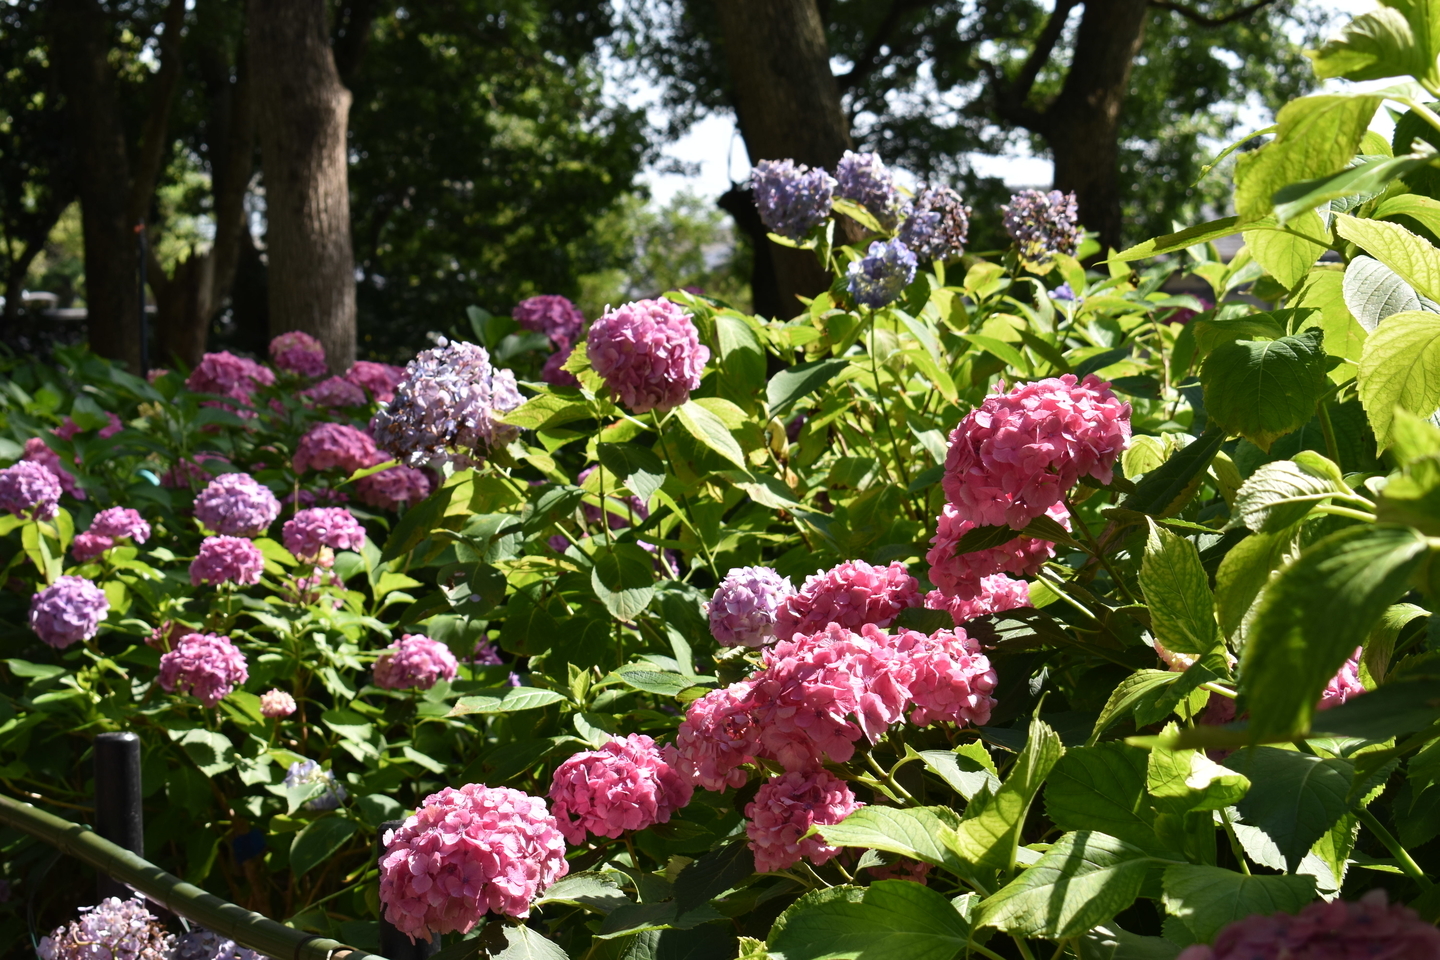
628,784
227,560
236,505
377,379
1043,224
717,737
744,607
310,530
37,452
390,488
851,594
414,662
883,274
335,392
113,929
308,771
467,852
205,665
1345,685
791,198
784,810
1338,930
938,225
649,353
68,610
298,352
959,574
553,315
335,446
276,704
997,594
29,491
861,177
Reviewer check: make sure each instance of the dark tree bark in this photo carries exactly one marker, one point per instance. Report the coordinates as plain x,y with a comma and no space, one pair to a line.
302,108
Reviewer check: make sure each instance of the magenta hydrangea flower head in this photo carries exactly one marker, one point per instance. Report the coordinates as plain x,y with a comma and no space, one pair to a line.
236,505
121,523
883,274
37,452
113,929
552,315
1018,453
335,446
717,737
335,392
1043,224
30,491
467,852
1345,685
388,489
1339,930
960,574
414,662
446,409
227,560
298,352
744,607
784,810
649,353
276,704
87,546
554,373
377,379
68,610
791,197
205,665
851,594
310,530
949,678
997,594
628,784
937,226
863,178
230,376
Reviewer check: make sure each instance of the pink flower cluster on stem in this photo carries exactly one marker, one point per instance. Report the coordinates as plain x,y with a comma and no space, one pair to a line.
784,810
1345,685
298,352
649,353
309,531
628,784
205,665
1338,930
414,662
553,315
276,704
377,379
227,560
959,575
230,376
68,610
236,505
37,452
851,595
997,594
335,446
335,392
110,525
30,491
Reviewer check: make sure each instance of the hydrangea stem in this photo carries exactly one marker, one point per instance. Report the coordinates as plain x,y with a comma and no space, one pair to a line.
1401,855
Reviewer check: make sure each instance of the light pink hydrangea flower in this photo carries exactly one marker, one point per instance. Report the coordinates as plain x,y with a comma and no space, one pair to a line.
309,531
628,784
948,677
997,594
467,852
414,662
1372,929
1345,685
87,546
851,594
37,452
784,810
230,376
68,610
335,446
717,737
205,665
1018,453
236,505
335,392
959,575
391,488
743,609
227,560
276,704
377,379
298,352
30,490
649,353
552,315
120,523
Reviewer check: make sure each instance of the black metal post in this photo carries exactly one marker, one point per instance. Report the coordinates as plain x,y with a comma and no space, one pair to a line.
119,817
144,315
394,944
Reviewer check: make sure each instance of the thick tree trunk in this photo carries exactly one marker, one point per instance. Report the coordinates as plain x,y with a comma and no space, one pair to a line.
787,104
302,110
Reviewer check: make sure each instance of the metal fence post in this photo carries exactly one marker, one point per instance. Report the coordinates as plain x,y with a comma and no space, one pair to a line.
394,944
119,817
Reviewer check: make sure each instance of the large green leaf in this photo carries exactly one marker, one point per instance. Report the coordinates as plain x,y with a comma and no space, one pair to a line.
798,381
418,523
1102,788
636,466
1364,180
1373,292
1322,297
711,431
1413,498
319,840
504,941
1166,490
598,891
1287,255
1280,493
1317,136
1294,797
1182,611
1175,242
1140,687
1207,898
990,835
623,577
1400,367
1313,616
1410,256
1244,572
713,873
512,700
1264,389
1184,781
1082,881
888,920
914,833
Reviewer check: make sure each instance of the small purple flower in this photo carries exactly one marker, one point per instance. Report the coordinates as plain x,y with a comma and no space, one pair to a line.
29,490
861,177
649,353
1043,224
68,610
1063,292
227,560
883,274
791,199
742,611
937,226
236,505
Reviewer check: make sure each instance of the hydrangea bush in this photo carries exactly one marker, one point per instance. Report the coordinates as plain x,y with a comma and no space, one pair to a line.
1008,607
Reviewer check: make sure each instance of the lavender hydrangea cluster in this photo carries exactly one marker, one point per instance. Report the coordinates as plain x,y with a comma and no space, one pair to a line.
310,531
205,665
742,610
113,929
883,274
649,353
29,490
414,662
553,315
227,560
445,409
863,178
236,505
938,225
791,197
202,944
304,772
68,610
1043,224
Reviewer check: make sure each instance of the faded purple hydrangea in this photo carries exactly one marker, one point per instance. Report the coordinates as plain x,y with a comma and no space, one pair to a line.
553,315
335,392
304,772
937,226
883,274
742,610
445,409
791,199
115,523
863,178
205,665
114,929
29,490
68,610
414,662
309,531
649,353
236,505
202,944
1043,224
1063,292
1370,929
227,560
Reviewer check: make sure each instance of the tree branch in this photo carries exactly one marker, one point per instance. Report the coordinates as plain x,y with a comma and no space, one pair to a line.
153,139
1195,16
1044,46
870,59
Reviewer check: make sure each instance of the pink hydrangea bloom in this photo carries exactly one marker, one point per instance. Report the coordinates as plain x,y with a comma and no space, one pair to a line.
851,594
310,530
37,452
914,871
378,379
960,575
649,354
414,662
1019,452
205,665
784,810
1371,928
552,315
948,677
30,490
335,446
553,374
230,376
298,352
276,704
227,560
237,505
70,429
628,784
997,594
388,489
717,737
744,607
189,471
88,546
68,610
466,852
335,392
1344,685
121,523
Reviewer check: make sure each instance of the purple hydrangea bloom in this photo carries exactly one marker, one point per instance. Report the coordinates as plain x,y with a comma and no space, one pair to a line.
308,771
446,407
29,490
335,392
937,226
68,610
883,274
114,929
311,530
227,560
552,315
414,662
236,505
649,354
120,522
1043,224
742,611
861,177
202,944
205,665
1063,292
791,199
